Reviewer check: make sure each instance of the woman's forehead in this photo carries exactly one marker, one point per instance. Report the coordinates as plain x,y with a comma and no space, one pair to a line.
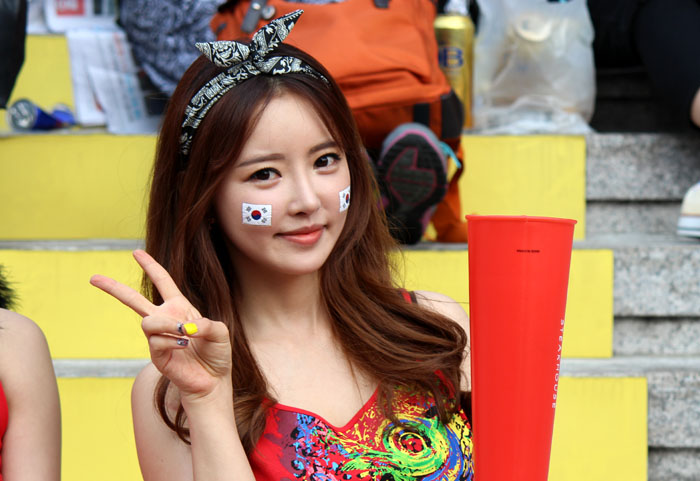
287,123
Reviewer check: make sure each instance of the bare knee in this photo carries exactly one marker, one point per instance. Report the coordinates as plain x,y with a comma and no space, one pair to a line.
695,109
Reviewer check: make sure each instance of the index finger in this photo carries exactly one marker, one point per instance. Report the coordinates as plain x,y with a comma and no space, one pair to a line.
124,294
158,275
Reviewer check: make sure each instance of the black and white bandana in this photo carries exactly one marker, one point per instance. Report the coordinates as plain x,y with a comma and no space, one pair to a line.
243,62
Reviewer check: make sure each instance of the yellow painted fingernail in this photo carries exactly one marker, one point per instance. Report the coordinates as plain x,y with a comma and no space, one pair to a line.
190,328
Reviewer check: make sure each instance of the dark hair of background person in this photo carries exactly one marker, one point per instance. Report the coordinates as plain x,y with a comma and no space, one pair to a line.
383,335
7,296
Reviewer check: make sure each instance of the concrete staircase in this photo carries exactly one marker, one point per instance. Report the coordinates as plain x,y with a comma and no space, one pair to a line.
638,169
635,184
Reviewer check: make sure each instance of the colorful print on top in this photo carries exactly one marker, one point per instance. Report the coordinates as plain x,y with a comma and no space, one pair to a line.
299,445
344,196
257,214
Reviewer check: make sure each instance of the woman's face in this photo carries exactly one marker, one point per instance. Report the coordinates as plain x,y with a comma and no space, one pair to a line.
283,203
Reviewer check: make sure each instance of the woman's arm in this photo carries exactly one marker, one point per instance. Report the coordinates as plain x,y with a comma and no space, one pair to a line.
162,455
452,309
216,446
194,353
31,447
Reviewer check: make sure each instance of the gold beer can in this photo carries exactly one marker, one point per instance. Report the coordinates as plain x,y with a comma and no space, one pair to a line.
455,39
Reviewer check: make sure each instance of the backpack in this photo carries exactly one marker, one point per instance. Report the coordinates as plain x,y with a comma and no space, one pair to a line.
382,53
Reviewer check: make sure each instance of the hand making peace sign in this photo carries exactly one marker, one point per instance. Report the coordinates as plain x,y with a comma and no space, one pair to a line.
192,351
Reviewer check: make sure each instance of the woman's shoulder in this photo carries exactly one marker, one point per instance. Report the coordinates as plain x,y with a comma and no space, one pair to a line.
17,322
25,359
145,385
20,337
444,305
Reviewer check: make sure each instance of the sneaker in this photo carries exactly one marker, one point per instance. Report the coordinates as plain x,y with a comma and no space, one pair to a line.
689,221
412,175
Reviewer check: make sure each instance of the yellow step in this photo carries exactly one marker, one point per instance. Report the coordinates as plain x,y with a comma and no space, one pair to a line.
537,175
74,186
599,430
82,322
79,321
98,436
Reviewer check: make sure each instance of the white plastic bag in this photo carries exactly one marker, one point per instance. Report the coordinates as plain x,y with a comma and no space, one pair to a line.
533,67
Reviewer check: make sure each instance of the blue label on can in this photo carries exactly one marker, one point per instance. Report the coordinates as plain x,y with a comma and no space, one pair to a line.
450,57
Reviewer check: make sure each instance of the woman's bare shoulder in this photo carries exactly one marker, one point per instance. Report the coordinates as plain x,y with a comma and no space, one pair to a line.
452,309
20,338
144,386
143,391
16,322
444,305
147,377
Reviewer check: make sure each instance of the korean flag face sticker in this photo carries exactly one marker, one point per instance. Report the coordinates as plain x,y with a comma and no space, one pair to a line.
344,196
257,214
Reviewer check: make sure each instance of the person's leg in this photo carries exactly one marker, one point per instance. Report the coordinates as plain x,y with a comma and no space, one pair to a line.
613,43
667,36
689,220
695,108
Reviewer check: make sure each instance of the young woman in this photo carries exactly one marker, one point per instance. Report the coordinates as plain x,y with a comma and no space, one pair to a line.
30,418
281,347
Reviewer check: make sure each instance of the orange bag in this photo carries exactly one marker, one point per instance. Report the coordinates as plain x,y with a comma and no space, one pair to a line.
382,53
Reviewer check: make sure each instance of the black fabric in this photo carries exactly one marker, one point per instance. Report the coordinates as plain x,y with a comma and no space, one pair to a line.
613,22
452,116
667,35
660,36
421,114
13,25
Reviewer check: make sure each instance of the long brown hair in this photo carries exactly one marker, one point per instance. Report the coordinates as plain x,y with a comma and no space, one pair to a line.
395,342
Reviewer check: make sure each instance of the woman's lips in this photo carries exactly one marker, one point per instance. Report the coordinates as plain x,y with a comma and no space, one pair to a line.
308,236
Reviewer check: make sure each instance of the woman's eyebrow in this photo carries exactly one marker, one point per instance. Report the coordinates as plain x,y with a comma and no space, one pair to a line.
260,159
323,145
276,156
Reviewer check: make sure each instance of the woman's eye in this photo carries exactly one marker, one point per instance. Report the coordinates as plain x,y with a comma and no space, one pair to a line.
264,174
326,160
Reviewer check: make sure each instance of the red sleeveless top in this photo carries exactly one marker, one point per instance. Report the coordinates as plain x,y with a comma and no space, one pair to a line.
298,444
4,415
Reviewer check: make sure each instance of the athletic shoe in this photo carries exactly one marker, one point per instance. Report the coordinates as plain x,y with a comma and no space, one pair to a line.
412,175
689,221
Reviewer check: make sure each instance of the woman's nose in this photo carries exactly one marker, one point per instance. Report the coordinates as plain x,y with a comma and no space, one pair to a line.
304,195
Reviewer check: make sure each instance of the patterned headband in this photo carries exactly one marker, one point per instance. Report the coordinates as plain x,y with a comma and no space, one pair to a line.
243,61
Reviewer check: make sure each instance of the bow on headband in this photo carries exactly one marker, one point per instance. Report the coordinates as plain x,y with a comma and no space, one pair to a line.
242,62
